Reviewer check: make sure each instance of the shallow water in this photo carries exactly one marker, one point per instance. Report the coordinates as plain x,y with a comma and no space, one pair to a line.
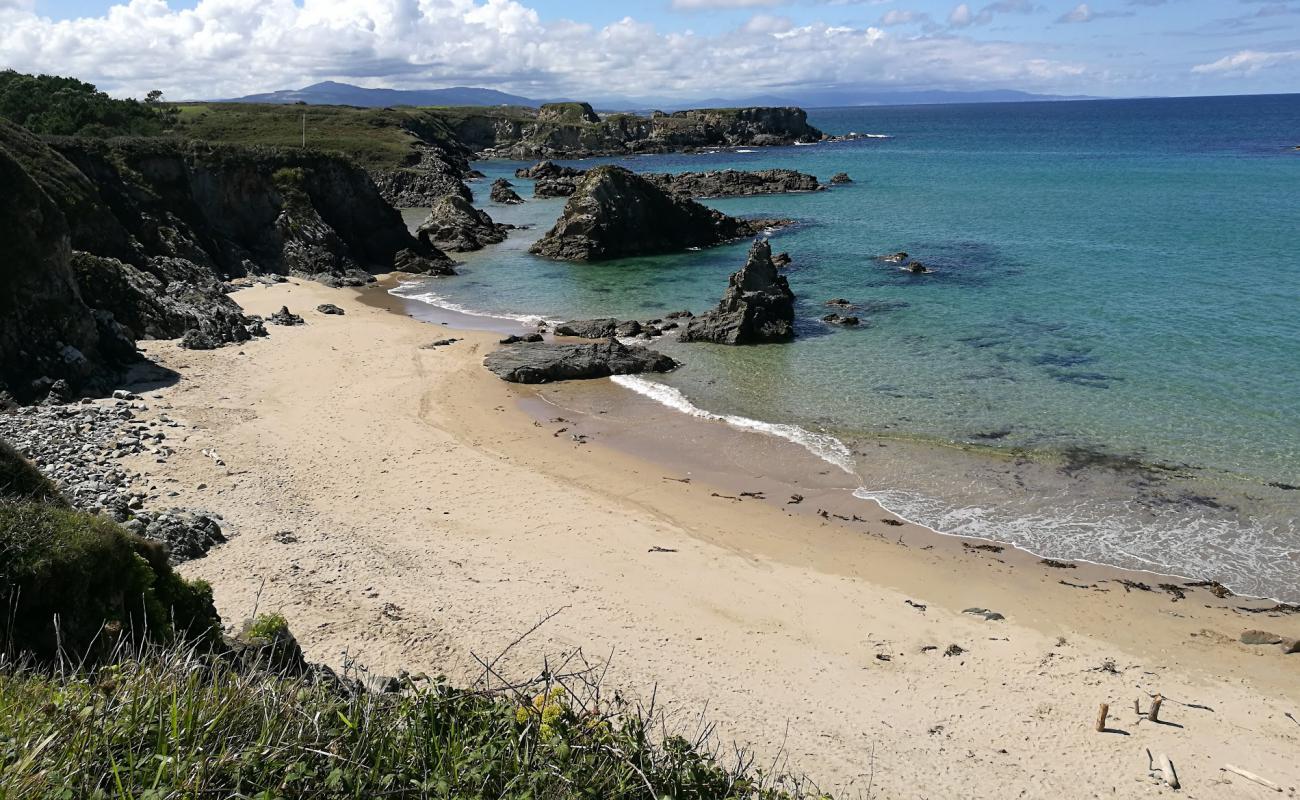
1104,363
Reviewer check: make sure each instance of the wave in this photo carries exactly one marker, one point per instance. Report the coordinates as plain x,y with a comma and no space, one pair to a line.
742,151
1241,554
824,446
419,291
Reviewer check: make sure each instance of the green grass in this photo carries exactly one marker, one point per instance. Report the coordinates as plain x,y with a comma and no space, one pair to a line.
169,723
77,583
374,137
21,480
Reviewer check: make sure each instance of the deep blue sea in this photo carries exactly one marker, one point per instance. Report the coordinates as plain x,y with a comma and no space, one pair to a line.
1103,364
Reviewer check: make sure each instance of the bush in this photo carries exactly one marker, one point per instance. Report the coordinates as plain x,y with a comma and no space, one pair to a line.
75,583
169,724
49,104
21,480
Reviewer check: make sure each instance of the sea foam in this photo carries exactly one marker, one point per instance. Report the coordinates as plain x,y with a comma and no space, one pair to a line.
824,446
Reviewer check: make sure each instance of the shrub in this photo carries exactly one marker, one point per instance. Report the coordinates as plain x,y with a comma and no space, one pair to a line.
21,480
74,582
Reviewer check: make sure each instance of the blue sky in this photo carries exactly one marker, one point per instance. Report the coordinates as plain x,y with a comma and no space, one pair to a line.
672,49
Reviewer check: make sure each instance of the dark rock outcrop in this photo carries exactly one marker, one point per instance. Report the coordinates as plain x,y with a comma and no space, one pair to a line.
285,317
547,362
598,328
330,309
47,330
841,178
557,181
503,192
758,306
616,213
847,320
736,183
433,170
454,224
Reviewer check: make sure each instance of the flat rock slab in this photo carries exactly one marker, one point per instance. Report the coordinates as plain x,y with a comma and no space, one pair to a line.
546,362
1260,637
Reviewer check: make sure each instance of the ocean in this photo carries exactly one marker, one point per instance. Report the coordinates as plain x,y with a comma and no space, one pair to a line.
1103,364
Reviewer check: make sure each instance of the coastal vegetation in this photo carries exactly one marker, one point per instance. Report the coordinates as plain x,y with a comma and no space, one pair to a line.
59,106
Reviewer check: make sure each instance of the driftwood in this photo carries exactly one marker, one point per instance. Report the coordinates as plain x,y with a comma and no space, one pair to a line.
1252,777
1102,713
1154,713
1167,769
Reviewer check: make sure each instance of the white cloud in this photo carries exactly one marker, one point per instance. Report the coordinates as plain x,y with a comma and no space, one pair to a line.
703,5
227,48
898,16
1246,62
961,16
1080,13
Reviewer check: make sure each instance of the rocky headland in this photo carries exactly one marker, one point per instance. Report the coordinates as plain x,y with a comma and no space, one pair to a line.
758,306
615,213
115,241
573,130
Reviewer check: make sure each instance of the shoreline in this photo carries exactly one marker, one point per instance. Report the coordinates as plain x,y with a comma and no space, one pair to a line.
432,516
453,316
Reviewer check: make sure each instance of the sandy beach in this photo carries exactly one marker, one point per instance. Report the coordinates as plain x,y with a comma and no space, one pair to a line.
403,507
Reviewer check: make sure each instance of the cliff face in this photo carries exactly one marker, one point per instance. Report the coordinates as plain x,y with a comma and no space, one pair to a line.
134,239
566,132
47,332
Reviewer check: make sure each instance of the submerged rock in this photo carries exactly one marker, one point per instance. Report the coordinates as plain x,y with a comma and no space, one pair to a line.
598,328
503,192
546,362
917,268
758,306
840,178
847,320
616,213
456,225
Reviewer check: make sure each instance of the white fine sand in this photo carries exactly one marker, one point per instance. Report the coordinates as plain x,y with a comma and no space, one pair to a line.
434,519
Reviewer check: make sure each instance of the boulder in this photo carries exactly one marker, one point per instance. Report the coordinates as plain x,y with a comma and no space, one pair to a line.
1260,637
285,317
782,260
840,178
330,308
836,319
407,260
546,362
555,187
757,307
548,169
615,213
917,268
515,338
503,192
456,225
598,328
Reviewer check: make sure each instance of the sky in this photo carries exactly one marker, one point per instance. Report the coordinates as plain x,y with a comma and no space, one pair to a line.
661,49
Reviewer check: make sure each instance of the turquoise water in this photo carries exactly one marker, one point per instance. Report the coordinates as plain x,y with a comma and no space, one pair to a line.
1104,363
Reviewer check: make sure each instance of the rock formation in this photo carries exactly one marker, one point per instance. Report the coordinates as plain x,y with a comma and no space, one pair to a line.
108,242
503,192
454,224
841,177
556,181
570,130
598,328
616,213
757,307
546,362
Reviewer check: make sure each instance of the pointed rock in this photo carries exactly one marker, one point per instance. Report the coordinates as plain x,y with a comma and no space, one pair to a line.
758,306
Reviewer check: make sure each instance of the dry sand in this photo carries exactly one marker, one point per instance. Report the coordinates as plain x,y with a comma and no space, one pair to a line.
431,517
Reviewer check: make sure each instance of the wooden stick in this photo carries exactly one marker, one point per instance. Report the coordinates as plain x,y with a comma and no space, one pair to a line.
1167,768
1250,776
1101,717
1154,713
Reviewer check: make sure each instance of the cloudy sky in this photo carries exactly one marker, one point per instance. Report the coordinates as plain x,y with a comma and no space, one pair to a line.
673,49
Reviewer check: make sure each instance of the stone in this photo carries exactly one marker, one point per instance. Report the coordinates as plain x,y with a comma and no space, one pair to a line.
454,224
758,306
547,362
782,260
1260,637
841,178
615,213
917,268
503,192
991,616
1290,646
836,319
515,338
589,328
286,317
331,309
433,262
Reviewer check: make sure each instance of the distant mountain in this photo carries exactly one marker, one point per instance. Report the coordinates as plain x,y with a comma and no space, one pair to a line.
839,97
330,93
